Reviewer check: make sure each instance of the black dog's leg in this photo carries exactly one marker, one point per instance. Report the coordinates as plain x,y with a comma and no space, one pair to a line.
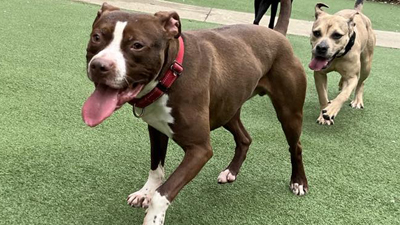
256,7
274,9
262,9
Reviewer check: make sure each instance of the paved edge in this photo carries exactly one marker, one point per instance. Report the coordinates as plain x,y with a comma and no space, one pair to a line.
226,17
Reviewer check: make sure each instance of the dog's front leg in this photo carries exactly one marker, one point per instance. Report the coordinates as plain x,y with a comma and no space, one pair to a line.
195,158
321,81
329,112
159,142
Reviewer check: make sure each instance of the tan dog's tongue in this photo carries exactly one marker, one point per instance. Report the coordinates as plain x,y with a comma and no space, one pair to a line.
100,105
318,63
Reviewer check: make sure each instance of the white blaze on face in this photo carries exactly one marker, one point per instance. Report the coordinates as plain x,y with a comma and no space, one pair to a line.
113,52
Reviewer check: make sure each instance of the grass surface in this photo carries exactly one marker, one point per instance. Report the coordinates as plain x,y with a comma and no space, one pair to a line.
382,15
56,170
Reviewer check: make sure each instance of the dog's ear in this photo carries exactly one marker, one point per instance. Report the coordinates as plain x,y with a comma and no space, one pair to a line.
171,23
105,8
351,22
318,10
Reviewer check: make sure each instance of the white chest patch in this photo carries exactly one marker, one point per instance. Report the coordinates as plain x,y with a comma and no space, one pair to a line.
158,115
113,52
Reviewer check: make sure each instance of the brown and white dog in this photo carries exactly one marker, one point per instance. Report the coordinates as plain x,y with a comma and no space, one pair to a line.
128,56
343,42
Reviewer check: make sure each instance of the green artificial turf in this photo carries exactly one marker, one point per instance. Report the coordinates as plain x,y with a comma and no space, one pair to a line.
383,16
56,170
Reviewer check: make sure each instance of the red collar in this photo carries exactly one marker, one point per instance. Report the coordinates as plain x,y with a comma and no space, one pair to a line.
164,83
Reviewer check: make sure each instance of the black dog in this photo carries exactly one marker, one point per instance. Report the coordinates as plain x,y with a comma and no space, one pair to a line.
261,7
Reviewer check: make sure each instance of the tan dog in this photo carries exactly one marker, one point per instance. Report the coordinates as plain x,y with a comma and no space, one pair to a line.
343,42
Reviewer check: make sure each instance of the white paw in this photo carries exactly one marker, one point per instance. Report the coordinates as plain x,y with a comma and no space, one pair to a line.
155,214
142,198
226,176
328,114
323,121
357,104
298,189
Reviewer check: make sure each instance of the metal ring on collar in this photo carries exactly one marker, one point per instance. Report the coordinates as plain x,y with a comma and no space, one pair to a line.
134,112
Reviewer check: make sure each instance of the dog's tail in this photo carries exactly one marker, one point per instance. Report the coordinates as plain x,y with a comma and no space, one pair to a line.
284,15
358,6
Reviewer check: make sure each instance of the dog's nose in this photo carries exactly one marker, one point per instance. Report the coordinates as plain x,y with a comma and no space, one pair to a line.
101,66
322,48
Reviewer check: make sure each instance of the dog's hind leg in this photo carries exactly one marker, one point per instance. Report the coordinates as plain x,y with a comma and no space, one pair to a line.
291,121
159,142
358,102
286,87
243,141
291,117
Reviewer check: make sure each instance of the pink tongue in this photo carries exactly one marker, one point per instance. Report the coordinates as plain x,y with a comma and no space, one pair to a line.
318,63
100,105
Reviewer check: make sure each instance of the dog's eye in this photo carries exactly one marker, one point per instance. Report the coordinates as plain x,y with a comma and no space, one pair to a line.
317,33
336,36
96,38
137,46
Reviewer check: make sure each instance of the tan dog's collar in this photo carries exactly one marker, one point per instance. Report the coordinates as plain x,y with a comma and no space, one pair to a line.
348,46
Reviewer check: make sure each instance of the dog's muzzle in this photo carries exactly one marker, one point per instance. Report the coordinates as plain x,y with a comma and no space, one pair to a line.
321,49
